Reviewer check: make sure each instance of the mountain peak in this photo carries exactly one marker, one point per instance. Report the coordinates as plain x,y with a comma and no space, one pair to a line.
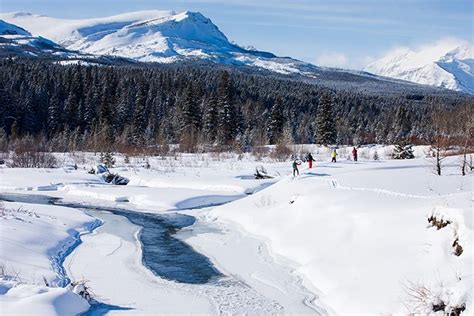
447,63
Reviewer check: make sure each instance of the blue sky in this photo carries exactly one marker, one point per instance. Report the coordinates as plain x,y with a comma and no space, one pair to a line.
335,33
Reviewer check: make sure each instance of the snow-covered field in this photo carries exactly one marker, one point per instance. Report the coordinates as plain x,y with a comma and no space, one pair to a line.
350,237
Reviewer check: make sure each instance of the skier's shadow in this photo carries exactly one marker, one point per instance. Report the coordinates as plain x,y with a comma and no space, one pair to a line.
314,174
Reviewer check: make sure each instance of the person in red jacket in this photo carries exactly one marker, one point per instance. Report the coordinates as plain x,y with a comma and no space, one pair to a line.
354,153
310,160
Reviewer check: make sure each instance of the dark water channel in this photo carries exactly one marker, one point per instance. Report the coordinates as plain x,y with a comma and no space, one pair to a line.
165,255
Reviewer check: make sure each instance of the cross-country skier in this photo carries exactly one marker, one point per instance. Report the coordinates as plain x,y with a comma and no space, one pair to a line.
310,160
354,153
334,155
296,163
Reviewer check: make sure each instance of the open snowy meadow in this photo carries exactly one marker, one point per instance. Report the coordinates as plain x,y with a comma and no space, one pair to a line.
198,234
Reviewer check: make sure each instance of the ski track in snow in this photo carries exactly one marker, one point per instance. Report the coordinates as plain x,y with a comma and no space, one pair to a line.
333,183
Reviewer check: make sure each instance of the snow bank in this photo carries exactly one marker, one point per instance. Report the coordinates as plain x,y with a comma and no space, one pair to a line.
358,232
27,299
34,241
35,238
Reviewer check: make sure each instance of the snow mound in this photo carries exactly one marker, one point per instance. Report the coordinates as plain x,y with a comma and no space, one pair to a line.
26,299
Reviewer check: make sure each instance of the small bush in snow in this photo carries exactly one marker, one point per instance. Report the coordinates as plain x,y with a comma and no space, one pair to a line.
82,289
457,248
403,151
107,159
424,300
438,222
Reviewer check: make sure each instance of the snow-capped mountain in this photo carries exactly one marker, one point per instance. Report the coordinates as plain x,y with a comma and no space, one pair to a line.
16,41
166,37
152,36
447,63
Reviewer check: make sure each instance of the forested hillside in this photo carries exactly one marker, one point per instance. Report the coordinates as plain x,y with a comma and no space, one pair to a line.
99,107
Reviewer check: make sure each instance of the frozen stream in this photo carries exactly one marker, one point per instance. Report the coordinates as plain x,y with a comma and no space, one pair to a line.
177,263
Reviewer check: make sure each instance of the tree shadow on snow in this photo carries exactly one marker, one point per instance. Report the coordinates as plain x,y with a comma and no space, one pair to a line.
102,309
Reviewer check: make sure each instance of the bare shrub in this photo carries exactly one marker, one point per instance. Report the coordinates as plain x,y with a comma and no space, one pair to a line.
423,300
31,159
259,152
281,152
438,223
457,248
29,153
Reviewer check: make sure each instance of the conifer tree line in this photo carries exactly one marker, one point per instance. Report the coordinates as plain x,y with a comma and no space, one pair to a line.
111,108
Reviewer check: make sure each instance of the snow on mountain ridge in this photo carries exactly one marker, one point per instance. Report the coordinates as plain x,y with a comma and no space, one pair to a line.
446,63
11,29
151,36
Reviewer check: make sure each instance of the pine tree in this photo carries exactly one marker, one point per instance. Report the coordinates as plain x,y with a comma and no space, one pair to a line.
403,150
107,159
54,115
211,116
325,127
70,110
190,111
3,141
227,114
89,110
139,118
277,121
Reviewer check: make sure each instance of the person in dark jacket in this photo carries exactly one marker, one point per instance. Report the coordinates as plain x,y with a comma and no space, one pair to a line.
354,153
310,160
296,163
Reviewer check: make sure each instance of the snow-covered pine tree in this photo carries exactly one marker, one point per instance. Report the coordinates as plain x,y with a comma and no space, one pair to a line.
211,116
140,119
70,110
325,127
277,121
89,110
190,112
227,112
189,120
107,159
54,115
403,150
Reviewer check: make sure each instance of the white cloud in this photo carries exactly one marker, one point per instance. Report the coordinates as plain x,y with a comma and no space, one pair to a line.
332,59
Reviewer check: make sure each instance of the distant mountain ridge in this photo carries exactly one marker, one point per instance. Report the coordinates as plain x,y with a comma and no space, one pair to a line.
448,64
168,37
152,36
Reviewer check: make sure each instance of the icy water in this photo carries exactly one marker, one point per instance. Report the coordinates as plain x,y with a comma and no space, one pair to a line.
163,254
166,256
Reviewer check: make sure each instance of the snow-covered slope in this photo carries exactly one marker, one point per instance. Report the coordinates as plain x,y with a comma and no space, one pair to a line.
10,29
16,41
152,36
447,63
